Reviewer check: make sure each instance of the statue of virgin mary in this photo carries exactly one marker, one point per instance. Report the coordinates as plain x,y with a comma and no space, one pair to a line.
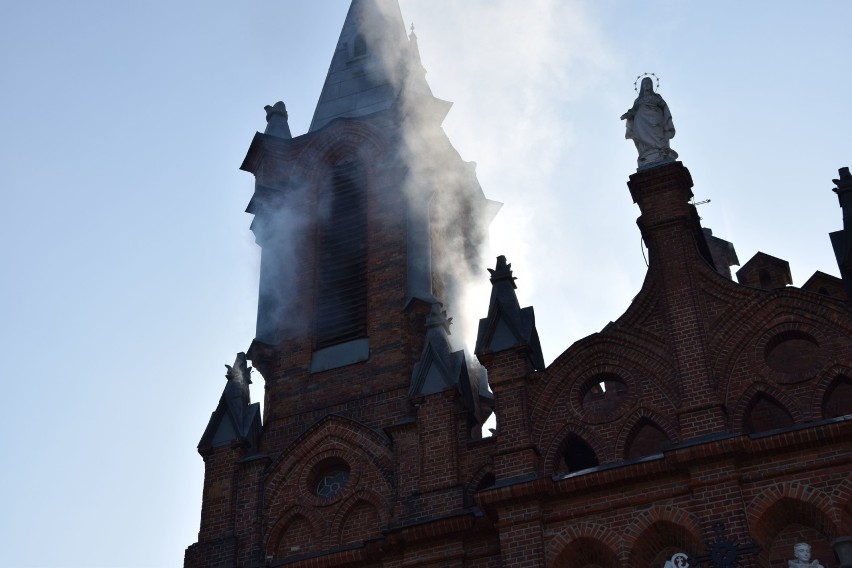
649,125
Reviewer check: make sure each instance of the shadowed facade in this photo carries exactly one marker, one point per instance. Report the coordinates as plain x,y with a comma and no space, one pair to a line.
713,418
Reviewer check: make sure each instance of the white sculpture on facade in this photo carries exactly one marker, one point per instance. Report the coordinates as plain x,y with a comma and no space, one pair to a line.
802,552
650,126
678,560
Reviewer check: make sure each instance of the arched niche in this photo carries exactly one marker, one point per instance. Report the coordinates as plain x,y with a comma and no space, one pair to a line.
764,413
586,552
576,455
360,522
838,398
645,439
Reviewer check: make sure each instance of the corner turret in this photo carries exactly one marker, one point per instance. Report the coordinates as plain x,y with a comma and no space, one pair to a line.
841,240
507,325
236,419
439,368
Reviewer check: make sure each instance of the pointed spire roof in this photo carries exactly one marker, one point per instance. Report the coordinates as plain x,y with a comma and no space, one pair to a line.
440,368
373,63
235,419
507,325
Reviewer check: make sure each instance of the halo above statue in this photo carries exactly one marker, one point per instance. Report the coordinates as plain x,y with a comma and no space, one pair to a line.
642,76
649,124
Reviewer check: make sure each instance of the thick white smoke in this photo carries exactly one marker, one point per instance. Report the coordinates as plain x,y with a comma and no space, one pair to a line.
513,69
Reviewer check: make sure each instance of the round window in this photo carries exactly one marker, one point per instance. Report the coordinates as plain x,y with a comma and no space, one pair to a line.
604,396
331,478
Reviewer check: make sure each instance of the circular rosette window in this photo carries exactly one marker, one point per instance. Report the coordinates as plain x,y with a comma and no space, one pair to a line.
604,397
329,478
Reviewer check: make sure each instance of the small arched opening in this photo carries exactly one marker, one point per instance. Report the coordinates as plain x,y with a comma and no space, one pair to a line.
765,413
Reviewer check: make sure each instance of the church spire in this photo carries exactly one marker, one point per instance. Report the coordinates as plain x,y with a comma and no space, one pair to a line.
373,63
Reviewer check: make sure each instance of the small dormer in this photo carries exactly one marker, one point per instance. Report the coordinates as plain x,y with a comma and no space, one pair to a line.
765,271
825,284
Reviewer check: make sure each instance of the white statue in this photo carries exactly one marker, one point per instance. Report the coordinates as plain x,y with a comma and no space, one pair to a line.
802,552
649,124
679,560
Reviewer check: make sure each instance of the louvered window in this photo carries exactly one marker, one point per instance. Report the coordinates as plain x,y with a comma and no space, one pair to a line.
342,288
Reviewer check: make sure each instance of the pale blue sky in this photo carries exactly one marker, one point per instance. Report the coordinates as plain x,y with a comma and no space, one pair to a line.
130,273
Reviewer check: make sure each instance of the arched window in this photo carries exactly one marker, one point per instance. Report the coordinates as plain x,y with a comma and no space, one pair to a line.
647,439
764,413
342,280
578,455
838,398
487,481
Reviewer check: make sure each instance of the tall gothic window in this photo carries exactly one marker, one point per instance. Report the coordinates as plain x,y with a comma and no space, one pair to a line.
342,286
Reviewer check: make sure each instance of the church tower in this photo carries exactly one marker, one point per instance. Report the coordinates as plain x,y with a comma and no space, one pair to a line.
369,226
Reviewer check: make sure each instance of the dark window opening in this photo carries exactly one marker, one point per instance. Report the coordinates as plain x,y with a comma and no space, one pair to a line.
838,398
604,394
342,287
578,455
488,480
360,46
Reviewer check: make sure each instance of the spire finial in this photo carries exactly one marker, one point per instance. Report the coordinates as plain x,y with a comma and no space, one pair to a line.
845,181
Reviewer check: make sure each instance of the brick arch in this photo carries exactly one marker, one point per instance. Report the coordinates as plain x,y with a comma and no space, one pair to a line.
555,446
309,163
365,501
575,394
633,422
599,538
763,311
824,387
586,553
842,498
786,503
344,137
648,365
619,350
346,140
657,528
332,436
746,331
280,526
743,406
473,485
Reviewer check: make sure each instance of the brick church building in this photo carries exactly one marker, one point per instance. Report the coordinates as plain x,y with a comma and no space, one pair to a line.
712,419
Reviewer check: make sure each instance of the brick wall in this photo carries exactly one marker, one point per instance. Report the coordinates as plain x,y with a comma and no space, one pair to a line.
722,403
